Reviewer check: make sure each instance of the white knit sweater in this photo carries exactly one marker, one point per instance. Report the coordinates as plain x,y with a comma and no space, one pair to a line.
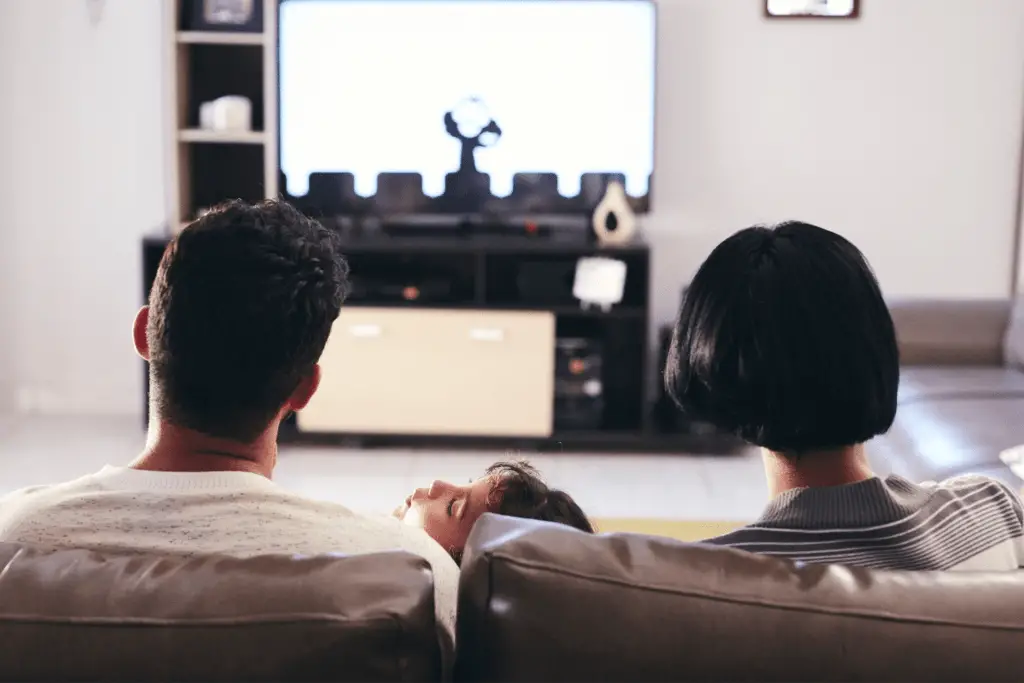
235,513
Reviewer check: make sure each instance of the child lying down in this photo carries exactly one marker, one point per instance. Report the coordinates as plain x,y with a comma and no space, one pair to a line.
447,512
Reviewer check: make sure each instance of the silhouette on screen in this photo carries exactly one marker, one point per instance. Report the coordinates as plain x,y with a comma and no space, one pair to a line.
538,114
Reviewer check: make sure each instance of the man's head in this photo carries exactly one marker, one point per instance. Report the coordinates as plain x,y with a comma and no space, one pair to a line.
447,512
240,311
784,339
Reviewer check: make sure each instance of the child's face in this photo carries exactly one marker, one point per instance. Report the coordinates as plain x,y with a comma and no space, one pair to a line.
447,511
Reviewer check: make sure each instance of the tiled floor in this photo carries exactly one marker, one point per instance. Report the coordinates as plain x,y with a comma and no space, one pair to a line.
40,450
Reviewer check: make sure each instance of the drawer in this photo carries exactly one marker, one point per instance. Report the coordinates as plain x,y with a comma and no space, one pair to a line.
429,371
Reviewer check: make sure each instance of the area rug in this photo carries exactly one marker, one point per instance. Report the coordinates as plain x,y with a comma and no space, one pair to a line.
684,530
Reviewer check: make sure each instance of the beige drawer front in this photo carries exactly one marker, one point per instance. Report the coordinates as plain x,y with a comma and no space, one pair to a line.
421,371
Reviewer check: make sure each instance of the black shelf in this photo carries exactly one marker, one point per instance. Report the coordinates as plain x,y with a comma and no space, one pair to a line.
576,311
561,311
217,70
569,441
567,241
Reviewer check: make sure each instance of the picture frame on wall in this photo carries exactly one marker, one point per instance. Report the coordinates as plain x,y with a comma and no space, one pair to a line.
239,16
812,9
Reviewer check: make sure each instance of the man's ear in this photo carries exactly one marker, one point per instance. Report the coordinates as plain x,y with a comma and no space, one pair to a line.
305,390
139,333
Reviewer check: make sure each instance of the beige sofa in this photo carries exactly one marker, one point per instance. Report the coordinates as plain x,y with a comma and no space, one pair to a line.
961,399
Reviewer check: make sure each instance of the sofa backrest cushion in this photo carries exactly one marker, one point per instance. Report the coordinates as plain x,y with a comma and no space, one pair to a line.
83,615
949,332
1013,344
543,602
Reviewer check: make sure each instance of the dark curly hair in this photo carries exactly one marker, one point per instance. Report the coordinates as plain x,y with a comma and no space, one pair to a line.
520,492
240,311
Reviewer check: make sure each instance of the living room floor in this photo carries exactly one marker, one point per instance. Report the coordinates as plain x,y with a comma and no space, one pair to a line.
652,488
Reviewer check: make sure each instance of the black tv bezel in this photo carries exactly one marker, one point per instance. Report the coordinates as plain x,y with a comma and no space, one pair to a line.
440,217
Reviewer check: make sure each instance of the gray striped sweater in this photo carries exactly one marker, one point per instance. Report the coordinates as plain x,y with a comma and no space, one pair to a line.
966,523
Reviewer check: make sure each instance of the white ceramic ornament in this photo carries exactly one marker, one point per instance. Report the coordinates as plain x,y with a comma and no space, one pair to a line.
614,221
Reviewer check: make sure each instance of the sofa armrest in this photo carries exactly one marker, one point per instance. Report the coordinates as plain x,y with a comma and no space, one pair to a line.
948,332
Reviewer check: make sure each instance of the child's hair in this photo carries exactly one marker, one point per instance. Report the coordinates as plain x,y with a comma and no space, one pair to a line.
520,492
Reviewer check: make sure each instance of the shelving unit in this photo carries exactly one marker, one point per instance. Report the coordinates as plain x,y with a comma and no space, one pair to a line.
485,274
207,167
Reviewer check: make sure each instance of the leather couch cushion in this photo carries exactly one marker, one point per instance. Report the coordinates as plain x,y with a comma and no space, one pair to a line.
1013,344
943,437
941,332
944,382
82,615
543,602
953,420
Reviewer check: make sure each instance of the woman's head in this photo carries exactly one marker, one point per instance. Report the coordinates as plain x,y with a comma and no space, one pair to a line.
783,338
447,512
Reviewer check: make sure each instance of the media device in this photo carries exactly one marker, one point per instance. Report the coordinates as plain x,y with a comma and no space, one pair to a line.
465,107
579,392
406,280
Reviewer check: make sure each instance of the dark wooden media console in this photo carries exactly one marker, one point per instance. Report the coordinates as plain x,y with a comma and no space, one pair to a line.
471,323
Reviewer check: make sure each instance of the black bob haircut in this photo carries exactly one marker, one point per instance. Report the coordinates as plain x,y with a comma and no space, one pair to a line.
240,311
784,339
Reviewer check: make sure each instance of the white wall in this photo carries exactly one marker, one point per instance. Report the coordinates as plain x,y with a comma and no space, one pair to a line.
901,130
6,199
1020,230
82,175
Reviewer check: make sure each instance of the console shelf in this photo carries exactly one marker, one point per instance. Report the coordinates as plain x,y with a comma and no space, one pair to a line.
517,287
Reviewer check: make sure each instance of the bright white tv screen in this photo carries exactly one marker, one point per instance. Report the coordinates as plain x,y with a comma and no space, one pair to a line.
453,106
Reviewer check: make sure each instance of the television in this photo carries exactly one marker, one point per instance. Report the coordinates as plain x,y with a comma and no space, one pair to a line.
465,107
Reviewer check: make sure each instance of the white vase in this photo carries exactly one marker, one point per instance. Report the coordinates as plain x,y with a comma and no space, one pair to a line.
614,221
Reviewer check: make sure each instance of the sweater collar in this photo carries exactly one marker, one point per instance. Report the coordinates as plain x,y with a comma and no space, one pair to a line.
127,478
864,503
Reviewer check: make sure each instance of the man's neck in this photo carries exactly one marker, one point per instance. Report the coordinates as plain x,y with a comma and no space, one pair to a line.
835,467
170,448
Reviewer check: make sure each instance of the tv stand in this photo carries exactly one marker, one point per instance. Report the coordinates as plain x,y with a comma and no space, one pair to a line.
468,357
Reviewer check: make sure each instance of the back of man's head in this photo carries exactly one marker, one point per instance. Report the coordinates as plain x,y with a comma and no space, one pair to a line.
240,311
